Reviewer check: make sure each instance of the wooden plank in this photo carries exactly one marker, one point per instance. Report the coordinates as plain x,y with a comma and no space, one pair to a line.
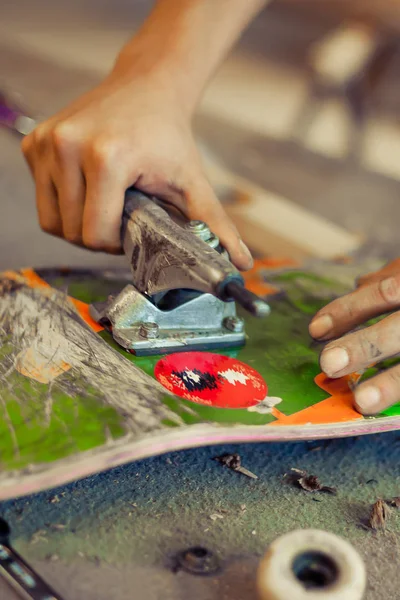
339,57
272,224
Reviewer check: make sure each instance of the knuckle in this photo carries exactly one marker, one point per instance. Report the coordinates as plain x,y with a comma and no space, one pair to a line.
73,237
389,385
93,241
63,137
49,225
343,309
40,138
369,349
27,144
389,289
103,152
393,377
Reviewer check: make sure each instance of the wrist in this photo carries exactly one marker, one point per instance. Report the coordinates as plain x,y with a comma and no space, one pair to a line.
155,66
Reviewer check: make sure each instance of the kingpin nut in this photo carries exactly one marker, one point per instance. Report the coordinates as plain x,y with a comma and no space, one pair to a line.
201,230
149,331
235,324
198,228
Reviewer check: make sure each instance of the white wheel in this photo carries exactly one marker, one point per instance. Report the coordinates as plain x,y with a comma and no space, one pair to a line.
309,563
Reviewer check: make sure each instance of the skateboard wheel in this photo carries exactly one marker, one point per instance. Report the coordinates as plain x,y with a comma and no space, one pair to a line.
309,563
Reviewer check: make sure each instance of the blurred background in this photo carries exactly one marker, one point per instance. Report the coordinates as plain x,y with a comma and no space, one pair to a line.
306,107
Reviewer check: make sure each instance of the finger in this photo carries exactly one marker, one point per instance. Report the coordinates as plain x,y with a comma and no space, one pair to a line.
47,203
359,350
104,202
27,146
68,178
71,199
344,314
203,205
387,271
379,392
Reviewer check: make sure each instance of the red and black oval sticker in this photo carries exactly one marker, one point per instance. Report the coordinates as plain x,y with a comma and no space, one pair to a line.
211,379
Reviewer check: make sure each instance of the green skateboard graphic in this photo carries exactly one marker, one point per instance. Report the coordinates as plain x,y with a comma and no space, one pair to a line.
74,402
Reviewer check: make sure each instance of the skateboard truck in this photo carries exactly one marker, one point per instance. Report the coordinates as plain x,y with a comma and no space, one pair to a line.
183,285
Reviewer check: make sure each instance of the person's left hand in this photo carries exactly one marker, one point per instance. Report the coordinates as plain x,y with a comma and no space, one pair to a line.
377,294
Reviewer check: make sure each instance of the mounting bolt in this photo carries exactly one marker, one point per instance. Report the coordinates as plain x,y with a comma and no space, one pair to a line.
198,228
201,230
235,324
149,331
197,561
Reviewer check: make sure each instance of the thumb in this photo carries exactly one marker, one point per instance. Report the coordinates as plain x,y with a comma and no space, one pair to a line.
203,205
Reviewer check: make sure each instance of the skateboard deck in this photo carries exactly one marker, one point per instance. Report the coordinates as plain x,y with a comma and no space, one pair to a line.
74,403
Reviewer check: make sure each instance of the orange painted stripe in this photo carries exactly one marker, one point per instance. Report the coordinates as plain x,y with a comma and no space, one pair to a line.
338,408
83,310
254,278
277,413
275,263
33,280
256,285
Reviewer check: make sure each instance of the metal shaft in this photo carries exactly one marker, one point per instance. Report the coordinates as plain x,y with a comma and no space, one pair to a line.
249,301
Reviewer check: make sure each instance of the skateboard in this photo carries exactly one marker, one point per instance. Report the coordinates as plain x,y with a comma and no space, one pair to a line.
74,402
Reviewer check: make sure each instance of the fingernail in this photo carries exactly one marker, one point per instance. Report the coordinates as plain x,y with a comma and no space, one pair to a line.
246,251
368,399
321,326
390,289
334,360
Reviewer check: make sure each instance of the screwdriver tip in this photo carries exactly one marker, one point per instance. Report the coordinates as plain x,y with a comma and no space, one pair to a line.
249,301
261,308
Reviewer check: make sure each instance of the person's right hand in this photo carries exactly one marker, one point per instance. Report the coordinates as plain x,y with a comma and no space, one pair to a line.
130,130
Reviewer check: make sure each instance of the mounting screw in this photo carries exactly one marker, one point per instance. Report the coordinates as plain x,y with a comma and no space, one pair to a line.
235,324
201,230
149,330
197,561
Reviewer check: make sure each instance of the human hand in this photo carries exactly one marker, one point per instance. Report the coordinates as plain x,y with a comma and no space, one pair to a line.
130,130
377,294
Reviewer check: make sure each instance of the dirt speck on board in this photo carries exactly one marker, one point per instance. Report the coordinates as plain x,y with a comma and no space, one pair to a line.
234,462
54,499
393,502
379,515
216,516
53,557
57,526
309,483
38,536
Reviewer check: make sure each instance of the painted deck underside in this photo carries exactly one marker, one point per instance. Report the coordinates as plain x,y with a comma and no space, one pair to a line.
74,403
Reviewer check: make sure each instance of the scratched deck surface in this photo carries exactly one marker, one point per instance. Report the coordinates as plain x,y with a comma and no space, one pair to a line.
74,403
